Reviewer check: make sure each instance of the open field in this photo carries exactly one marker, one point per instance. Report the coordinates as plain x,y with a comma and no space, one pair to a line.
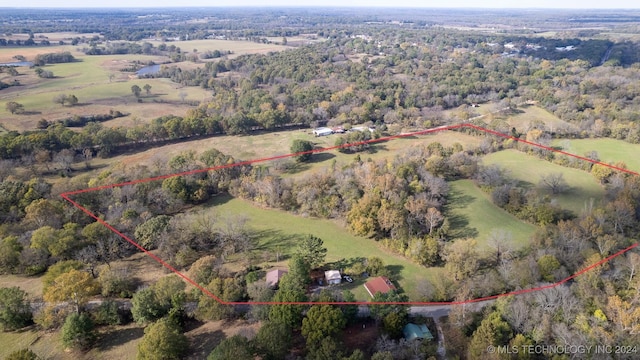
121,342
31,284
237,47
527,117
532,115
7,53
46,344
279,230
267,144
528,169
609,150
473,215
205,337
88,79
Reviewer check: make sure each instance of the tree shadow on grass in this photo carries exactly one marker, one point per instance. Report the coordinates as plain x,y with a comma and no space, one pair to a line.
119,337
202,344
459,223
343,263
395,271
375,148
298,167
274,238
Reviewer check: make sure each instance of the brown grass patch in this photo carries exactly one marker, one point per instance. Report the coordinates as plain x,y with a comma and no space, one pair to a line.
7,53
206,336
31,284
361,335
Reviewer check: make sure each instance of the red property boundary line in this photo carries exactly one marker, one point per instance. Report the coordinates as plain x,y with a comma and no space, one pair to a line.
67,195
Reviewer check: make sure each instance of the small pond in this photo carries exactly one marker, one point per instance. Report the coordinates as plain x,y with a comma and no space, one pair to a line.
151,69
17,63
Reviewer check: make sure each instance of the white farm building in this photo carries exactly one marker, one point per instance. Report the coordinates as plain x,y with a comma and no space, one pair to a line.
323,131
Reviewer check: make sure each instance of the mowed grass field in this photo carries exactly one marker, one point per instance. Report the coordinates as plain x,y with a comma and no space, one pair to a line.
534,114
609,150
528,169
88,79
268,144
280,230
472,215
236,47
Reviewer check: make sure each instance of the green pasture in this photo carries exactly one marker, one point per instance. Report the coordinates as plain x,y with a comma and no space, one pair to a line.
237,47
279,231
47,345
377,151
528,169
531,115
472,215
609,150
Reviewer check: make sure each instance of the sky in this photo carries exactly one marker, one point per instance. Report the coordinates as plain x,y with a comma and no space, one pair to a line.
555,4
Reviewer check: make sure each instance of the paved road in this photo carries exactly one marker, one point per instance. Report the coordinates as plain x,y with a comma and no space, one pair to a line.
438,311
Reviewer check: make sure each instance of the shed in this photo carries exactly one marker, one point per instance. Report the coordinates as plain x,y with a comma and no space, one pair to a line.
323,131
413,331
274,276
380,284
332,277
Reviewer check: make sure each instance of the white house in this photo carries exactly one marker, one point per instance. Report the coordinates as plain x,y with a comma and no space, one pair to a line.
323,131
332,277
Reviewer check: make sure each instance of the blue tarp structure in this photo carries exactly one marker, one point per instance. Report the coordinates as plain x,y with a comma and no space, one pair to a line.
412,331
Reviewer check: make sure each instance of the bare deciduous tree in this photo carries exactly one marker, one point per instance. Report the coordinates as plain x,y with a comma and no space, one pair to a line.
64,159
500,243
554,182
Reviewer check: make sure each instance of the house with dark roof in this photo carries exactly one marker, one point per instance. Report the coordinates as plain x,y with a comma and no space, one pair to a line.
274,276
380,284
413,331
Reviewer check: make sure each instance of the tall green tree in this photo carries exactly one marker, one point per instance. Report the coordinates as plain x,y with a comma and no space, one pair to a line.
15,310
322,321
10,250
145,306
135,89
300,146
493,330
162,340
311,250
289,315
273,340
234,348
148,232
78,331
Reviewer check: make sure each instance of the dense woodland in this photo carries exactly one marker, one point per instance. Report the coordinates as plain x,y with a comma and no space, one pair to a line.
392,78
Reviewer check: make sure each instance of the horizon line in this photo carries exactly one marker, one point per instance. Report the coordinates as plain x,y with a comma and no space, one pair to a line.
398,7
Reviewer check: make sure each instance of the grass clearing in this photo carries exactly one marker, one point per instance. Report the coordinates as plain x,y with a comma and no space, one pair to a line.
206,336
88,79
609,150
279,230
527,169
277,143
473,215
528,116
237,47
46,344
31,284
7,53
